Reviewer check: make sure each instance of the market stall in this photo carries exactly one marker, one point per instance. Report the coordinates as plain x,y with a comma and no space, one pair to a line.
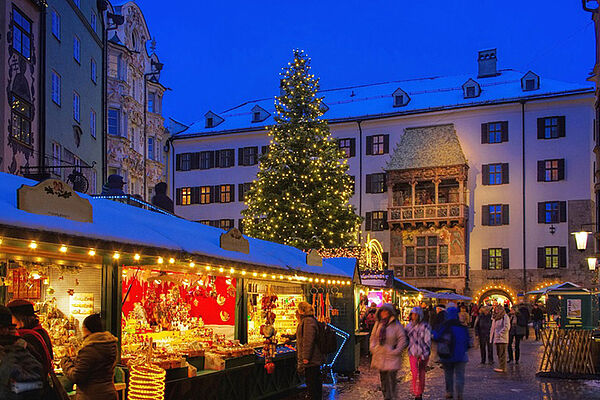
205,305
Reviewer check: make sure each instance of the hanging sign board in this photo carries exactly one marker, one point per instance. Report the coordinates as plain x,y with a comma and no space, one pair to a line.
56,198
378,279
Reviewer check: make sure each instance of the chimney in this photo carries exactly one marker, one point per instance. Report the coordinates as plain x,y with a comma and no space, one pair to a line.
487,63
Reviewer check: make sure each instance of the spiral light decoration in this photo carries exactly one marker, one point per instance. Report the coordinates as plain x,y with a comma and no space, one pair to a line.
146,382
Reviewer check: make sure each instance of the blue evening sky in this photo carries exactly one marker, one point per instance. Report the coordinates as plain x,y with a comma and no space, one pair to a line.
220,53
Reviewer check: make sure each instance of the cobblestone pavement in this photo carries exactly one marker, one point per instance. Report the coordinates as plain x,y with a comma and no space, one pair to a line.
481,382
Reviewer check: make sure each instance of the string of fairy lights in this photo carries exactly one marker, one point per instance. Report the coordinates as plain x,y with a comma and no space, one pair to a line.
138,259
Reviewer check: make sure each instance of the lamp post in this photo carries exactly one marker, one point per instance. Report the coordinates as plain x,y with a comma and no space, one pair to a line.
581,237
155,67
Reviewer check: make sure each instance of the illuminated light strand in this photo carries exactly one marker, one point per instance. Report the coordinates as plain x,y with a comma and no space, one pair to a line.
146,382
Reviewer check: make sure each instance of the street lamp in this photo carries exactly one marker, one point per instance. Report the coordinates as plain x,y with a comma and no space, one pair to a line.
592,263
581,237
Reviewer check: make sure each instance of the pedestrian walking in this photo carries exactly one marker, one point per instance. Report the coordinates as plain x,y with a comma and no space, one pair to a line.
474,313
93,369
310,357
526,317
463,316
499,333
419,349
19,365
482,326
518,326
29,328
387,342
453,343
439,317
537,318
370,318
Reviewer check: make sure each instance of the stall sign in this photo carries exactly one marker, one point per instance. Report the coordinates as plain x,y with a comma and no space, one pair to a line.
56,198
574,308
377,278
81,305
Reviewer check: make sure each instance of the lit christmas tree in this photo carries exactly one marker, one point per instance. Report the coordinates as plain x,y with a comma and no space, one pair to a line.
302,192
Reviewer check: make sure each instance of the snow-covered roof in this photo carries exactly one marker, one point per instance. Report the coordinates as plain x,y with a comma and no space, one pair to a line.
376,100
117,222
426,147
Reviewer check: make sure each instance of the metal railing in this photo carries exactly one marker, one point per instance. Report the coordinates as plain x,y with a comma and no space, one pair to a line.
133,201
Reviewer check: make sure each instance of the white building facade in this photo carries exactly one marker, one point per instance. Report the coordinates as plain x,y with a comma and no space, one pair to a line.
523,179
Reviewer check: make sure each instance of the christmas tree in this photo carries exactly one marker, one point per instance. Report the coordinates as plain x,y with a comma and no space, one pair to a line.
302,192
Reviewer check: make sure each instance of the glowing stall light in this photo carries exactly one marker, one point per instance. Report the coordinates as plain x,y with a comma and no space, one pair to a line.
33,245
146,382
63,249
92,252
136,257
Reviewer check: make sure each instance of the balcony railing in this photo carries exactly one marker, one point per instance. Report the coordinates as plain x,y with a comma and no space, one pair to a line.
428,212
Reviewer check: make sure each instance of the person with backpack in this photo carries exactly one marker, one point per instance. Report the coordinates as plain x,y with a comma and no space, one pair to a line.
483,324
310,357
453,342
29,328
499,333
93,369
387,342
518,325
419,349
20,370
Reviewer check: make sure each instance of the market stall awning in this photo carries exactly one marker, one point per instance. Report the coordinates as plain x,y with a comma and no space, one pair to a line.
445,296
399,284
564,285
120,223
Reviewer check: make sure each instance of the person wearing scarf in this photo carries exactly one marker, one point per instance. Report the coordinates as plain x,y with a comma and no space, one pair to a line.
387,342
499,335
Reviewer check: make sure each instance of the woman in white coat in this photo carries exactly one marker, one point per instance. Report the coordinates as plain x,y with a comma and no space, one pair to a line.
499,335
387,342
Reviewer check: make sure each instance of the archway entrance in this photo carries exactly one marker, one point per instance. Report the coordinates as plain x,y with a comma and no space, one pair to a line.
495,297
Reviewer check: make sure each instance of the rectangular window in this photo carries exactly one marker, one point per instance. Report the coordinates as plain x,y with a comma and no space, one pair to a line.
378,144
225,193
495,214
494,132
151,148
225,158
379,220
551,170
443,254
376,183
93,22
421,251
21,117
186,196
76,115
410,255
551,127
186,161
551,257
242,189
226,224
76,49
93,123
56,24
207,159
552,212
121,68
495,174
151,102
93,71
114,121
21,33
205,194
256,116
495,258
56,87
248,156
348,147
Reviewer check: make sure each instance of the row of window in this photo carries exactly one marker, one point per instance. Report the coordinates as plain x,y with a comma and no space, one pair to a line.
218,158
186,196
548,257
225,223
547,128
549,212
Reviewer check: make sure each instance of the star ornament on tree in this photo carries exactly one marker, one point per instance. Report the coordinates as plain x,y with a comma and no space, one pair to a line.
302,191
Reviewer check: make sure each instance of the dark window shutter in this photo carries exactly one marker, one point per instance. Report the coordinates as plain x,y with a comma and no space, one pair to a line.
485,259
541,213
561,169
264,149
386,144
240,192
178,196
562,207
540,128
541,256
505,173
195,195
369,145
541,171
385,223
485,174
485,215
561,126
368,221
504,125
211,159
232,190
216,194
218,159
384,182
232,157
368,188
352,147
505,218
178,162
241,156
485,138
255,151
505,259
562,257
195,161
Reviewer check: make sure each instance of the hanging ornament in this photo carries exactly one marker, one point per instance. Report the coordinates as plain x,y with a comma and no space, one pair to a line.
71,292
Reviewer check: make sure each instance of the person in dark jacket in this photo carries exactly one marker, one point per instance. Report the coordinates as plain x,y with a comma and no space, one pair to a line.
93,369
439,317
113,186
482,326
310,358
526,317
29,328
454,364
515,334
160,198
537,317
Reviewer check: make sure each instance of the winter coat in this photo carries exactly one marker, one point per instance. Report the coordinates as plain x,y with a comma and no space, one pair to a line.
419,336
386,355
483,324
93,369
38,343
461,340
23,367
500,330
438,319
517,329
537,314
306,341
